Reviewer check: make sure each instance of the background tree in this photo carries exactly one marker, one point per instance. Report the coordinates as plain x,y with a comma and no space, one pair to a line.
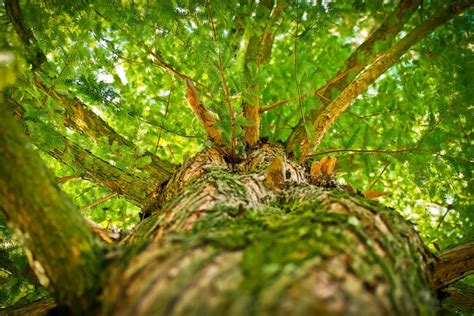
117,97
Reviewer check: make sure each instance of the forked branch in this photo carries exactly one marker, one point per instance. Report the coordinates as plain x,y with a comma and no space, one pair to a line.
382,38
361,57
326,118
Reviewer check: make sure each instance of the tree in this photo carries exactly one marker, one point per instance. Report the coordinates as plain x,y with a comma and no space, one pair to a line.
114,218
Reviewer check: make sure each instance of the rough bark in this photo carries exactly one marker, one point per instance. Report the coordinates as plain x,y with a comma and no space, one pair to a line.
60,248
256,238
453,264
250,237
234,243
457,299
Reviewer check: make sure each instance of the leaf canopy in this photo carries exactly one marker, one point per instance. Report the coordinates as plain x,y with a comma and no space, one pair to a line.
409,134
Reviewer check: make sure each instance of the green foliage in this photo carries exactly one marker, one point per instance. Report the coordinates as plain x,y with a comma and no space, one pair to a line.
416,120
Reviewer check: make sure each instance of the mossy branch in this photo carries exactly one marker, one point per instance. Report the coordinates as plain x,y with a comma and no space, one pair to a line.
58,243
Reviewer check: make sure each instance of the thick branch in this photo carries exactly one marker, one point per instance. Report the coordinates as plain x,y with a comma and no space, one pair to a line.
60,247
134,189
206,117
258,52
80,118
453,264
38,307
457,298
89,167
382,38
326,118
76,115
33,52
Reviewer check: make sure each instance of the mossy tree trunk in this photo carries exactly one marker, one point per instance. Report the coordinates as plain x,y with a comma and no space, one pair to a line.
254,237
231,242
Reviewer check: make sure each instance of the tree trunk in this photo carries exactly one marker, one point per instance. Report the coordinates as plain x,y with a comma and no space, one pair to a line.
257,238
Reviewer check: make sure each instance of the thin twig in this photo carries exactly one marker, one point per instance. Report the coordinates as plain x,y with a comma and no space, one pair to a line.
98,201
379,175
368,151
441,220
224,84
295,67
66,178
161,128
318,92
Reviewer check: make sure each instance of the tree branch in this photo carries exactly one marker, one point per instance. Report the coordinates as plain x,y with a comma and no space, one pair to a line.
87,166
326,118
77,115
258,52
134,189
33,53
457,298
66,178
383,37
68,260
98,201
233,140
38,307
453,264
106,236
206,117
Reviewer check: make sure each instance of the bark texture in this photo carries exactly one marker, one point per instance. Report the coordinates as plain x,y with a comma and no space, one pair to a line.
38,213
453,264
232,242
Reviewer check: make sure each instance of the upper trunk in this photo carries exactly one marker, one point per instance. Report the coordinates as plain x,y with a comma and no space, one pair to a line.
259,238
